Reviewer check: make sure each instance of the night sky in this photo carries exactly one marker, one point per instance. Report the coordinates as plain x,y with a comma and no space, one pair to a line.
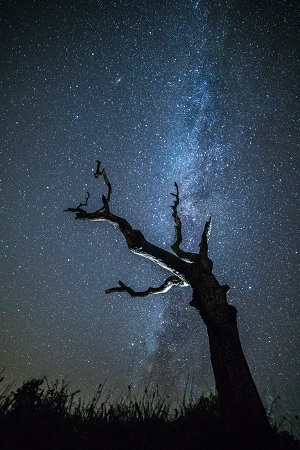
205,93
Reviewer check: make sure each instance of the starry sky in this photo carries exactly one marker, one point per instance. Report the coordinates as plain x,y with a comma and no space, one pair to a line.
205,93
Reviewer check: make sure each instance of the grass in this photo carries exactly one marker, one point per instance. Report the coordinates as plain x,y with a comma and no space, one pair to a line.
42,415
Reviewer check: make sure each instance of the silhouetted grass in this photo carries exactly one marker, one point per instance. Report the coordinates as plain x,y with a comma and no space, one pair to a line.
42,415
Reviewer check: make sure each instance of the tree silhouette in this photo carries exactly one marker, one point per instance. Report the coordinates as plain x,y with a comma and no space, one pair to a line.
243,413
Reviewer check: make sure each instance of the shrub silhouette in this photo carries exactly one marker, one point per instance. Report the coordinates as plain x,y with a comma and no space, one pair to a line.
41,415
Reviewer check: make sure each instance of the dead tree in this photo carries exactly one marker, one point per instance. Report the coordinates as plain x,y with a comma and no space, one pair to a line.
241,407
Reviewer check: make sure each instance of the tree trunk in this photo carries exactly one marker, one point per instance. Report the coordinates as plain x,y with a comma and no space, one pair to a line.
243,413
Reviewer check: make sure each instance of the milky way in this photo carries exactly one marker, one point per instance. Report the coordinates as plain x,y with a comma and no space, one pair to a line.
202,93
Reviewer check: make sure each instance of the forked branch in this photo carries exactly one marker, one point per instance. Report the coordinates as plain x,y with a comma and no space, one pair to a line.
186,256
82,214
170,281
79,209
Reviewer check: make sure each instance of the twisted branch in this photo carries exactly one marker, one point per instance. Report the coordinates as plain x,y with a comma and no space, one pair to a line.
170,281
178,234
79,209
101,173
205,237
82,214
186,256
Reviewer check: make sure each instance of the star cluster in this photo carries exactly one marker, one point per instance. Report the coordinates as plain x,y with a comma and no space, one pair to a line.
202,93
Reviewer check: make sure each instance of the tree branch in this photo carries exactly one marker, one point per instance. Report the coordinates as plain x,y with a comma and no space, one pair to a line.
205,237
105,199
79,209
102,173
178,234
137,243
171,281
178,264
186,256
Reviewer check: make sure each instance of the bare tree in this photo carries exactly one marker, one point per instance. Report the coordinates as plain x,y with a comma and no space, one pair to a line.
242,410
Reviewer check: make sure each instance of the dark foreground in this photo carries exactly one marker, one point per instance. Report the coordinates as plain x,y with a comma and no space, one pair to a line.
42,416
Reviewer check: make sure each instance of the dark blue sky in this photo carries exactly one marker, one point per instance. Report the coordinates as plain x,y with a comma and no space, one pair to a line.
199,92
